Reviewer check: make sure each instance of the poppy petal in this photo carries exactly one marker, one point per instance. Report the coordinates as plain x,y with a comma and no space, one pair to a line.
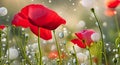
87,36
25,11
20,20
112,3
79,35
44,33
2,27
44,17
79,43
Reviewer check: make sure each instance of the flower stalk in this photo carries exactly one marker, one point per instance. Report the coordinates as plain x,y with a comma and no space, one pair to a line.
75,56
39,46
58,48
99,26
90,57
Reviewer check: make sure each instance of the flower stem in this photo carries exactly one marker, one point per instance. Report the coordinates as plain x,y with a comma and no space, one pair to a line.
90,57
22,48
0,44
75,56
8,45
40,51
117,24
58,48
103,49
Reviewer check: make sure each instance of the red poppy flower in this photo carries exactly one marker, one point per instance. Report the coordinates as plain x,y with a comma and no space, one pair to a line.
112,3
84,38
2,27
54,55
36,15
41,16
21,20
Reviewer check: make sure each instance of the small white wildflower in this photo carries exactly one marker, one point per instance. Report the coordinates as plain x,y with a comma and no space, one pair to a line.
3,11
13,53
82,57
95,37
81,24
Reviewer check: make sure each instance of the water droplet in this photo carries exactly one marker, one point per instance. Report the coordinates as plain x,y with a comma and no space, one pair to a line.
118,46
64,42
104,24
114,60
62,49
3,48
3,45
50,1
74,60
7,62
3,11
23,60
23,29
74,9
26,35
109,49
68,63
115,50
96,23
44,42
117,55
61,35
107,44
3,40
53,47
29,56
73,3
